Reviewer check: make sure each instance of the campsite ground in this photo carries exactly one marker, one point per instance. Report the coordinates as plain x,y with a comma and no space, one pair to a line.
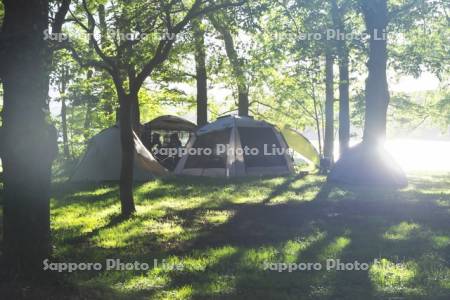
222,233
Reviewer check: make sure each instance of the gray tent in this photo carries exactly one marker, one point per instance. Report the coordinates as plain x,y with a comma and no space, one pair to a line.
236,134
102,160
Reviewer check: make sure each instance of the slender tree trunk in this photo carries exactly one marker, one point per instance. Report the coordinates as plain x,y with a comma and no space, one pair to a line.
377,93
236,65
28,141
201,75
109,105
102,23
89,107
344,84
344,99
329,109
62,91
64,128
87,120
317,120
127,146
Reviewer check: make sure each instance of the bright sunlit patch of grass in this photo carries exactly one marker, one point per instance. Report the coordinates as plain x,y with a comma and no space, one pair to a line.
391,277
292,249
124,233
184,292
402,231
198,261
153,280
97,192
335,248
441,241
216,217
255,258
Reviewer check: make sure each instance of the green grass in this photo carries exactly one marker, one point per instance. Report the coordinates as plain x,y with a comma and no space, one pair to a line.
222,234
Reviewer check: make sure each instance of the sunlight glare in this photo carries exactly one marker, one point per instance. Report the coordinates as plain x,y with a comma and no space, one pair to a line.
420,155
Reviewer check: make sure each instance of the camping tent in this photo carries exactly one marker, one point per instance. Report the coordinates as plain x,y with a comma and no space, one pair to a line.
169,122
102,160
165,127
232,141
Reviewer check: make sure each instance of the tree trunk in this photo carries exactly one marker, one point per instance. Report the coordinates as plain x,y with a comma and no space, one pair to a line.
102,24
377,93
243,103
236,66
62,91
368,163
89,106
87,120
127,146
329,110
64,128
135,114
28,142
344,99
201,75
318,127
344,84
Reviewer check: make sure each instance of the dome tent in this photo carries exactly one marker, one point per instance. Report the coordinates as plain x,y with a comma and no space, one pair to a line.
227,138
102,160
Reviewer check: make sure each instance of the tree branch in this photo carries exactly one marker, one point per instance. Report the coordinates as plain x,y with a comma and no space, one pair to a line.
60,16
165,45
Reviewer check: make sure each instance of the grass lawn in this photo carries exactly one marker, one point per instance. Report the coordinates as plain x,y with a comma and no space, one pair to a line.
222,235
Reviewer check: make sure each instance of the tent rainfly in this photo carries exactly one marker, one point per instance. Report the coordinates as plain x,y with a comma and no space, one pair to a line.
227,138
102,160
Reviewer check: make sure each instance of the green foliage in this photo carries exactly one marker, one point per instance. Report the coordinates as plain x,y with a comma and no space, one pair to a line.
151,104
283,69
2,13
421,42
90,99
409,111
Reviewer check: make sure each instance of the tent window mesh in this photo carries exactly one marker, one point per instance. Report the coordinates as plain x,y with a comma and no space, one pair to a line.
257,138
209,140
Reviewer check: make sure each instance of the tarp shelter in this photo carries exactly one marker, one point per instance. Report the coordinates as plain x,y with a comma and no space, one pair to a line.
157,134
166,125
300,144
102,160
170,123
227,138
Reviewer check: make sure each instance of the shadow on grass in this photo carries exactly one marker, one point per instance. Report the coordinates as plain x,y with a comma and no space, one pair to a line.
362,218
113,221
225,242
